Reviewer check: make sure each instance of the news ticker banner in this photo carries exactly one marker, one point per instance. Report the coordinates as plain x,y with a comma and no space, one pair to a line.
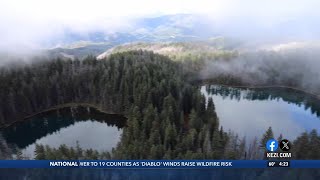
158,164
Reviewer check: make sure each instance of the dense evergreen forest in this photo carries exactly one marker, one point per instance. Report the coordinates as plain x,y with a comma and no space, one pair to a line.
167,117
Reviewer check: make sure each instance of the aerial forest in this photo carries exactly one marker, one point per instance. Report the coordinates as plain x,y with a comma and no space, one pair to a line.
167,116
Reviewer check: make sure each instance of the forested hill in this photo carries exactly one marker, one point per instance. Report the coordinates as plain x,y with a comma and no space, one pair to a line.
113,84
180,51
167,117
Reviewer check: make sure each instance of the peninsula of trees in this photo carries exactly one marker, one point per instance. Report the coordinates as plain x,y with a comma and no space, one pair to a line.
167,116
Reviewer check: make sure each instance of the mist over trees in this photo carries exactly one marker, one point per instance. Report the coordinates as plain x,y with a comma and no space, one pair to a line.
114,84
167,116
290,67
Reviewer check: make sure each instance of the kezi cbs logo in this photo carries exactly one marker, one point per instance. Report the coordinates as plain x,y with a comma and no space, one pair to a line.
272,145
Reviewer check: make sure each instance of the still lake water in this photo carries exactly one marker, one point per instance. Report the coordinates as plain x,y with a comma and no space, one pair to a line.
249,112
87,126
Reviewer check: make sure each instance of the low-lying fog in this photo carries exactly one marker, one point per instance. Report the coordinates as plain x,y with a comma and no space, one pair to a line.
280,65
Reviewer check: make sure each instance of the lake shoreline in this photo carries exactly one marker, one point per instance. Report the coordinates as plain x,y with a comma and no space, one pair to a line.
262,87
66,105
288,112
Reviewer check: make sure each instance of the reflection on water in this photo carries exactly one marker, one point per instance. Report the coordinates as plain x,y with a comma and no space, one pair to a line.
92,129
249,112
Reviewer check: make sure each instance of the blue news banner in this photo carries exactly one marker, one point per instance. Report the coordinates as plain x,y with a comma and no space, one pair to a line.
158,164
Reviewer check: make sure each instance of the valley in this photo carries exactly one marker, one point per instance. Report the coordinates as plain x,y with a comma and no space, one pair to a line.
166,109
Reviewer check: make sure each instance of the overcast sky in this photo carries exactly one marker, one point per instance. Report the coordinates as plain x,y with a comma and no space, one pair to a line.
33,21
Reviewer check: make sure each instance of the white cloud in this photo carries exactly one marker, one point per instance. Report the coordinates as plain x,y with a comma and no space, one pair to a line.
33,21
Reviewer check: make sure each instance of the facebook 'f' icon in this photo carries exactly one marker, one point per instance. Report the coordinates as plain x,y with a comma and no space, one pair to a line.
272,145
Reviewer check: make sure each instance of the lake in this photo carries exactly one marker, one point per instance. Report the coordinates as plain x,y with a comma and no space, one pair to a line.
83,125
249,112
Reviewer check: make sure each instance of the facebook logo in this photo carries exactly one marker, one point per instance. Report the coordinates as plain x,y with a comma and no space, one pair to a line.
272,145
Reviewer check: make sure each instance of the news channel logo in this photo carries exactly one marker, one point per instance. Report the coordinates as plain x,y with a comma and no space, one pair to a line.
272,145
